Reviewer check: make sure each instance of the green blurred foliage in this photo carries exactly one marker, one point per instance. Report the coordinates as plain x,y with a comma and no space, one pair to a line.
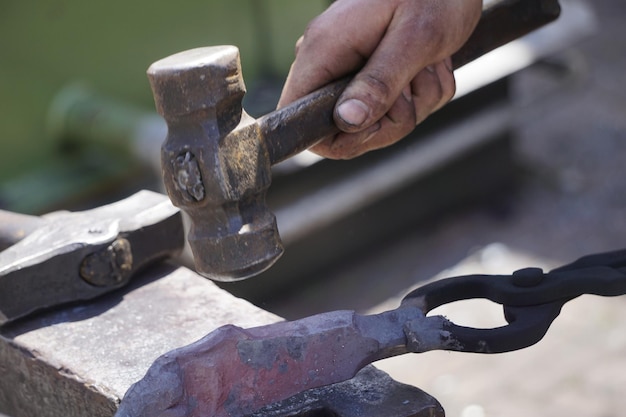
47,44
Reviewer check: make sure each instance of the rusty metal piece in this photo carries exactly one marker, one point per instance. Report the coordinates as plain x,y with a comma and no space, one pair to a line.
81,255
199,92
371,393
235,372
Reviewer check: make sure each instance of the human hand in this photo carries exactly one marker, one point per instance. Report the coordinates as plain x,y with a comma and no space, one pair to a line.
401,49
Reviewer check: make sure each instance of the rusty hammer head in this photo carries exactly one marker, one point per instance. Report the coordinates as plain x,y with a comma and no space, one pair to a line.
215,166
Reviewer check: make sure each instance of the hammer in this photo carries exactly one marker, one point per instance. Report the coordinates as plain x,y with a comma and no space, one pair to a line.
65,257
216,159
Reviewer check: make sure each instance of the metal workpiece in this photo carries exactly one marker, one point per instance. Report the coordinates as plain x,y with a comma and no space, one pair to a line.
371,393
216,159
74,256
236,372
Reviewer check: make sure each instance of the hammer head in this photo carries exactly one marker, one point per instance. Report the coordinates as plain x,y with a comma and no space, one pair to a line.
215,164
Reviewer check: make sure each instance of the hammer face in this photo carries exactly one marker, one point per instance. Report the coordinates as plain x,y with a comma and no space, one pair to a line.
194,80
240,255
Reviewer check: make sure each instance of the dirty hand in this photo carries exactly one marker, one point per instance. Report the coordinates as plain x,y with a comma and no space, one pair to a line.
401,49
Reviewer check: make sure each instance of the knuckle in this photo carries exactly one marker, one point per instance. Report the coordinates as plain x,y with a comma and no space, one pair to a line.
316,30
428,30
299,44
313,35
377,91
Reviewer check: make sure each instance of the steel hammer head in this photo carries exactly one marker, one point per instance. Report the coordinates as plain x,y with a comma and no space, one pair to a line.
215,164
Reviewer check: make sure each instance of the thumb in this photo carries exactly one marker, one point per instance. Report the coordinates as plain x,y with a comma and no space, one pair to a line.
367,98
399,57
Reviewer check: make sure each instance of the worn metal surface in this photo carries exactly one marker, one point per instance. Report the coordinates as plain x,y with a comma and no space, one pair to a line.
216,159
234,371
81,255
214,165
371,393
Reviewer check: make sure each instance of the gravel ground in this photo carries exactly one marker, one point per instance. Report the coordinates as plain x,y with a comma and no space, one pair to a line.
572,144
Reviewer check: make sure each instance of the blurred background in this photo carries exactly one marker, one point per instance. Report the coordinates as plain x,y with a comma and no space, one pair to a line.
56,52
524,168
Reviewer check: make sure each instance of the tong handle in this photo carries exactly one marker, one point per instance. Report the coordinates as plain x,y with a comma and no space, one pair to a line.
531,299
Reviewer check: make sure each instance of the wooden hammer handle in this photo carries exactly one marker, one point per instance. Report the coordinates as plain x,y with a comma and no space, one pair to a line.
303,123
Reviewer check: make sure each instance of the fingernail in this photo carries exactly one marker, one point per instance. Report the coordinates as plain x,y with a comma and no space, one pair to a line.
353,112
430,68
407,93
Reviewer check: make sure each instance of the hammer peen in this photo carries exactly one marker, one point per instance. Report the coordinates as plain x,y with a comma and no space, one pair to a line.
216,159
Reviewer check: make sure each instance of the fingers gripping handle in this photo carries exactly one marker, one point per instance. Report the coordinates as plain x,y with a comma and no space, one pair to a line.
305,122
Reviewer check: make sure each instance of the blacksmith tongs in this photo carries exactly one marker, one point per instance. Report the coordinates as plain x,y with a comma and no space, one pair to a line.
260,366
